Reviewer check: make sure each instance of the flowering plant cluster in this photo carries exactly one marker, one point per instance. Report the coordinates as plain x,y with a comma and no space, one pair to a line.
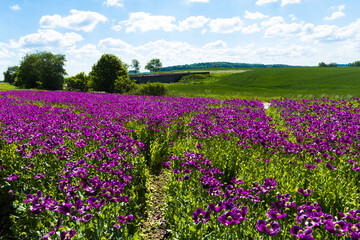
76,165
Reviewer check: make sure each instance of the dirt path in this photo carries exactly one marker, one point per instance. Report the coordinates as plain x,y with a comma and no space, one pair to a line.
154,226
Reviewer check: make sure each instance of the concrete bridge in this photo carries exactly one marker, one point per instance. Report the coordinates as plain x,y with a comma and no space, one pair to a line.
161,77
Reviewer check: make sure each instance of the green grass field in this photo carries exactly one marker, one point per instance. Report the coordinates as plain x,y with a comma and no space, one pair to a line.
268,83
6,86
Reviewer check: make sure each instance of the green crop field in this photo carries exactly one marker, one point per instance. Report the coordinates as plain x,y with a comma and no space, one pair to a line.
268,83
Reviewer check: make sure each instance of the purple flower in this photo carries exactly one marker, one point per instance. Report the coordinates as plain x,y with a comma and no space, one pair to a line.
311,221
271,228
339,227
299,232
166,164
40,175
12,177
349,215
237,181
126,220
306,192
273,214
329,166
54,230
310,166
67,236
216,208
11,193
176,171
86,218
233,217
200,216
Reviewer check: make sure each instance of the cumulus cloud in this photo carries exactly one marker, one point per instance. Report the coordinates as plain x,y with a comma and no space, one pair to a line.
113,3
255,15
88,50
216,44
146,22
285,2
262,2
250,29
180,52
47,38
77,20
292,17
200,1
4,50
15,7
337,14
193,22
277,27
113,44
225,25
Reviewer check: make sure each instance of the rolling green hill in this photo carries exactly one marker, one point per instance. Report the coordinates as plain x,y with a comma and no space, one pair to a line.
302,82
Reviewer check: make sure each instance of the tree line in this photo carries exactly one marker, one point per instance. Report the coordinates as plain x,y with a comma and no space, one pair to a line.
45,70
354,64
222,65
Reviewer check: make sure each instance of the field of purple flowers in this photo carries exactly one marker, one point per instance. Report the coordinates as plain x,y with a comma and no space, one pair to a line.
76,166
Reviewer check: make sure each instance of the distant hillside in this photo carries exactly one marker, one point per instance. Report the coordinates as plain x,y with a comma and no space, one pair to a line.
223,65
302,82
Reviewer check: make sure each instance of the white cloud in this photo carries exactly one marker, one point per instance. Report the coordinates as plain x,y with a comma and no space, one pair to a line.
4,50
200,1
338,8
272,21
285,2
145,22
338,12
77,20
113,3
292,17
284,52
15,7
335,15
262,2
255,15
114,44
47,38
216,44
283,29
89,50
250,29
225,25
193,22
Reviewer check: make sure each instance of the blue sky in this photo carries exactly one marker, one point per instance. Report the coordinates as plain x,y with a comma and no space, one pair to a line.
295,32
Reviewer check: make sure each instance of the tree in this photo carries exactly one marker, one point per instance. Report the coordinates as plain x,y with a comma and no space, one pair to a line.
135,65
355,64
42,70
332,65
79,82
105,72
154,65
11,74
322,64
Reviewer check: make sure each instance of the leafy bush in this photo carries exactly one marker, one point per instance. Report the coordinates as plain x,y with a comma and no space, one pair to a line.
79,82
194,78
155,89
123,84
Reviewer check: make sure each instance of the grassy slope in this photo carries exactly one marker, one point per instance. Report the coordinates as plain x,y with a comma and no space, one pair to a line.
277,82
6,86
